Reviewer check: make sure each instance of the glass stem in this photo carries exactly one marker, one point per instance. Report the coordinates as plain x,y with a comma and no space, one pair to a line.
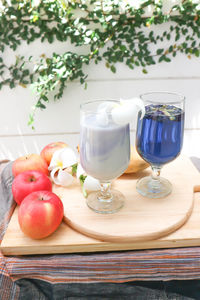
155,173
105,193
155,176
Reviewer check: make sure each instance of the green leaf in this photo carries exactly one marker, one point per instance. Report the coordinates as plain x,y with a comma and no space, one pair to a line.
167,59
43,97
82,179
12,84
144,71
197,52
193,44
159,51
177,37
174,54
74,169
161,58
31,119
113,69
95,30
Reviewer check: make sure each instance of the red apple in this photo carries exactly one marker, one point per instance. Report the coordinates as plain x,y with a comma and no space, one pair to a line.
28,182
40,214
48,151
29,162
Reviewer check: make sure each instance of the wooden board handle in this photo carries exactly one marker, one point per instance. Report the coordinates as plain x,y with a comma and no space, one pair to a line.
196,188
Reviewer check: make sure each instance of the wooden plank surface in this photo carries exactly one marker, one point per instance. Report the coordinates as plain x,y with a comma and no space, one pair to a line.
141,218
67,240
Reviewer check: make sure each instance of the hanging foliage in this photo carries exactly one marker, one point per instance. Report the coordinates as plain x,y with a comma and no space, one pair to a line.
112,31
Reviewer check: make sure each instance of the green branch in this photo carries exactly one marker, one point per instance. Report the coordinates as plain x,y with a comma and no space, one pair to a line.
113,33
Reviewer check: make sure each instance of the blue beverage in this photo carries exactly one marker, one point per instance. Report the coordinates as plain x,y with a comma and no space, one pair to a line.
159,135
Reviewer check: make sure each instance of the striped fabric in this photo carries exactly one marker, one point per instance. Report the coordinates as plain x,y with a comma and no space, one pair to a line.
8,289
170,264
110,267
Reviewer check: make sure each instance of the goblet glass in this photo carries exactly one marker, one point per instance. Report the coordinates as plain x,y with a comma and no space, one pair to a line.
159,138
104,152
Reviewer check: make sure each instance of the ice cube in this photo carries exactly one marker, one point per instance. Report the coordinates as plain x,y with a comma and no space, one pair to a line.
106,106
102,118
102,113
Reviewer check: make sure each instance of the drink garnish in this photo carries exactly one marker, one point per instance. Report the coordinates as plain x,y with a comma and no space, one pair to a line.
126,111
169,111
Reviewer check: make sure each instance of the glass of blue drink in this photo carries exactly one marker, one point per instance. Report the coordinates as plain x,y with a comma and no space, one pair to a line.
104,153
159,139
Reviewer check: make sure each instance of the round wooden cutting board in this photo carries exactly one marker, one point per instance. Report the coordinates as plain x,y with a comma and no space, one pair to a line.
141,219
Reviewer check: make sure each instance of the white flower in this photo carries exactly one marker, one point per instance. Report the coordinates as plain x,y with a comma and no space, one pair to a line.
91,184
62,178
62,160
135,104
88,183
80,171
127,111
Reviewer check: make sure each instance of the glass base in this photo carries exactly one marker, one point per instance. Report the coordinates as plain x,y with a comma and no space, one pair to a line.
152,188
106,206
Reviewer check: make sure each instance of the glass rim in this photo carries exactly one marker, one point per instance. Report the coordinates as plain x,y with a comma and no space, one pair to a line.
180,100
83,105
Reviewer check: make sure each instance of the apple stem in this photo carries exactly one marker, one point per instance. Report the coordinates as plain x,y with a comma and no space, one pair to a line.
32,179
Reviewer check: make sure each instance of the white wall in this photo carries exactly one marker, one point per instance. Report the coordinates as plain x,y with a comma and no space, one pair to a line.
60,121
